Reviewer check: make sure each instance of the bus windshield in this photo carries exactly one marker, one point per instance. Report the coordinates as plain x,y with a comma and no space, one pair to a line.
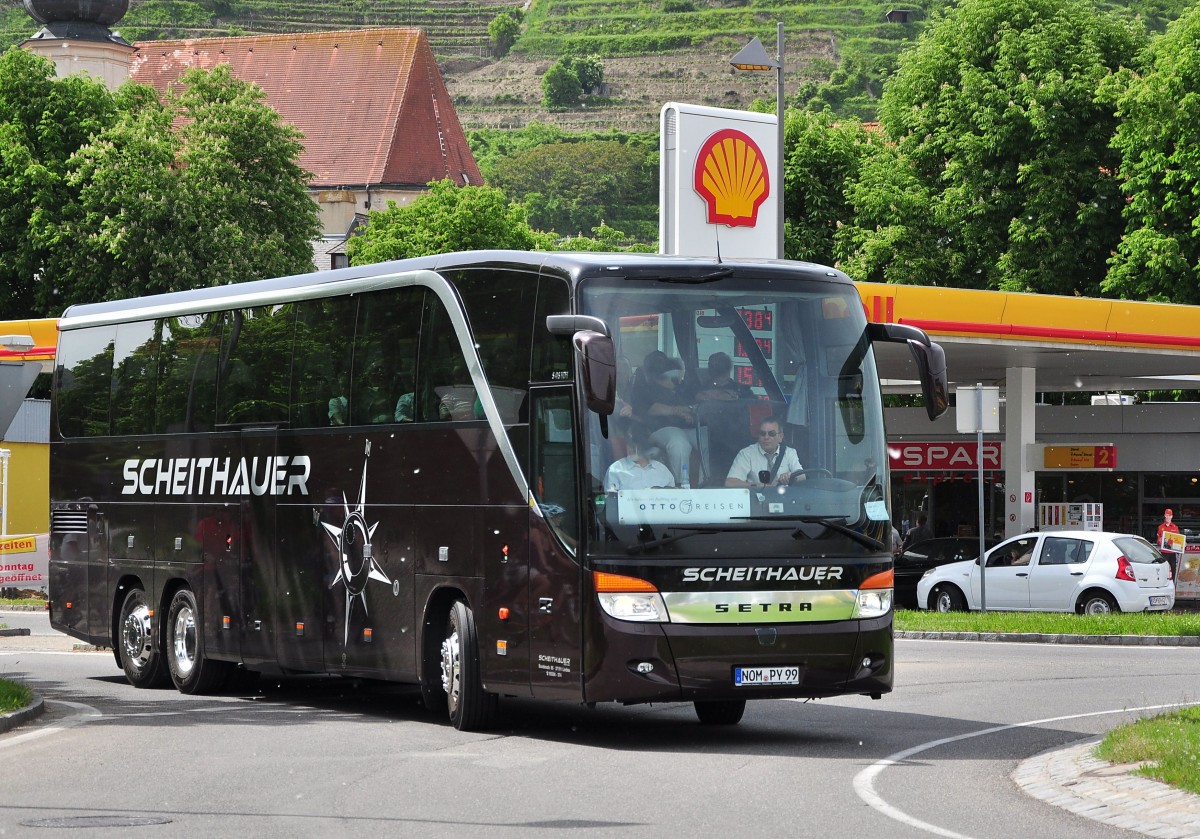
748,419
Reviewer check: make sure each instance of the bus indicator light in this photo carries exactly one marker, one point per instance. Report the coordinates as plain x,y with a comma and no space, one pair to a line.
503,613
501,648
299,628
368,635
226,622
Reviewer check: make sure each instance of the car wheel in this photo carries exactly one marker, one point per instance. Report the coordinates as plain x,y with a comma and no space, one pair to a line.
1096,603
947,599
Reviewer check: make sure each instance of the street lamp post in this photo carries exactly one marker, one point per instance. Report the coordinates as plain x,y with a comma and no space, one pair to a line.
753,57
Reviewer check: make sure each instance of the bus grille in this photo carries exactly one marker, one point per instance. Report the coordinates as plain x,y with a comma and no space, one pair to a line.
68,521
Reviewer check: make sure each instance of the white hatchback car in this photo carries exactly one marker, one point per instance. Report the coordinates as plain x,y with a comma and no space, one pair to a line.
1081,571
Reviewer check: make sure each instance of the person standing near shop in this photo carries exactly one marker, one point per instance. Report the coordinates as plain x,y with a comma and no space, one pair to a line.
1168,526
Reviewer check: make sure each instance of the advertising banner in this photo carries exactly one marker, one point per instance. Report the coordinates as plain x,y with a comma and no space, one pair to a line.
24,564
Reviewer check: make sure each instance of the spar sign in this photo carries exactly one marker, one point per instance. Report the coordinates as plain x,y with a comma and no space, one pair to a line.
948,456
717,182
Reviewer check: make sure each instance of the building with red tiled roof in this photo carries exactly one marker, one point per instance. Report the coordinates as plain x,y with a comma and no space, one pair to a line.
377,119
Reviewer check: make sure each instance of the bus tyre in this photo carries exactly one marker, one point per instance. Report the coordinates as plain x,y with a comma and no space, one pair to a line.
471,708
142,663
190,670
720,712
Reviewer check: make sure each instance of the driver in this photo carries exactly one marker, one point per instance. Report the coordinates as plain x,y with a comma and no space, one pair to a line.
769,462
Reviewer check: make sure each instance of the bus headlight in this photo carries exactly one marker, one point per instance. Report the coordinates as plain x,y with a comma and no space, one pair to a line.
873,603
875,595
630,598
631,606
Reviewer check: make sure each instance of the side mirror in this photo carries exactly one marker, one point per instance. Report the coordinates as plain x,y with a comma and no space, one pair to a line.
929,357
598,364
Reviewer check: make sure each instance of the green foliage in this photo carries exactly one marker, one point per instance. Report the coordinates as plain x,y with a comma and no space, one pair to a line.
1159,257
447,218
1052,623
13,696
1167,746
42,122
202,189
503,30
604,239
560,86
570,187
1001,137
153,20
569,78
821,163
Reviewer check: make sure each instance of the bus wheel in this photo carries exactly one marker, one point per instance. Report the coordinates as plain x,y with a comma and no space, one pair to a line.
720,712
471,707
190,670
142,663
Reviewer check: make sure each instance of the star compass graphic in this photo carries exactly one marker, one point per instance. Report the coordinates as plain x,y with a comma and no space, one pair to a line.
353,542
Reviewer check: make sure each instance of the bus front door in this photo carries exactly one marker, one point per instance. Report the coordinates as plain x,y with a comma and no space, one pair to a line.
554,571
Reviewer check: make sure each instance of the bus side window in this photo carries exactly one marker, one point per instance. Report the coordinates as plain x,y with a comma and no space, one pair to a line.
135,377
444,388
85,366
255,363
386,335
187,378
552,360
321,362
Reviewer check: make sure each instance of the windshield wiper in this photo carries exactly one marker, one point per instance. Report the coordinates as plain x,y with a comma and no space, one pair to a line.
642,547
836,525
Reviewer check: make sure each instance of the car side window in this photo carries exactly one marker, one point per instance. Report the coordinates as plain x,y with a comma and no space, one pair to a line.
1017,552
1056,551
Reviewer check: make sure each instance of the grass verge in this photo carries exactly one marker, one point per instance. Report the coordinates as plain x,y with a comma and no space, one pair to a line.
1168,745
1124,623
13,696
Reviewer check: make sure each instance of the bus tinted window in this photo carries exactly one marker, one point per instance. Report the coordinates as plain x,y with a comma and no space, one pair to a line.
84,381
386,337
324,347
135,378
551,353
187,385
499,306
255,363
444,384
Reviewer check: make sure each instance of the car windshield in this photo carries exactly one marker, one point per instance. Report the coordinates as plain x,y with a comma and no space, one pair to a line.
748,411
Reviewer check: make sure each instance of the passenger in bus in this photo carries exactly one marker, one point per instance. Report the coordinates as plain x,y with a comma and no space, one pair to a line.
339,410
719,384
458,399
638,469
664,405
769,462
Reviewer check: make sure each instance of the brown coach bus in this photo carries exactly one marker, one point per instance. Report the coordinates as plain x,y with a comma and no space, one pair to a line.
397,471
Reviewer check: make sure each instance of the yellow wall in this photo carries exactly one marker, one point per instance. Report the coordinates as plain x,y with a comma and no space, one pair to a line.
28,487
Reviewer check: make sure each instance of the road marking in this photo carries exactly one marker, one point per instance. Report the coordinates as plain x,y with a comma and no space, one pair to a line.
83,713
864,781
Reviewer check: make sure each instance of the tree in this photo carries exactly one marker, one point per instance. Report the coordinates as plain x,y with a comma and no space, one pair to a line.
1159,255
560,86
994,111
570,187
821,162
42,122
447,218
503,30
201,189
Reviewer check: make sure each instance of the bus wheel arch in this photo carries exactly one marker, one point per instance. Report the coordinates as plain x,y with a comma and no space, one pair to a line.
433,632
191,670
140,652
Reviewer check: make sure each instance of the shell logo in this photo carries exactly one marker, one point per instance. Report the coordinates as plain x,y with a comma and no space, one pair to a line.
731,176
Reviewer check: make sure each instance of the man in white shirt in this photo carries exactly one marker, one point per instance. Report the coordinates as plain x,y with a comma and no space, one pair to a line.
637,471
769,458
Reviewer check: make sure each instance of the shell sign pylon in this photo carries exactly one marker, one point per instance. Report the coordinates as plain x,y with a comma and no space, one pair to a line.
718,186
732,178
